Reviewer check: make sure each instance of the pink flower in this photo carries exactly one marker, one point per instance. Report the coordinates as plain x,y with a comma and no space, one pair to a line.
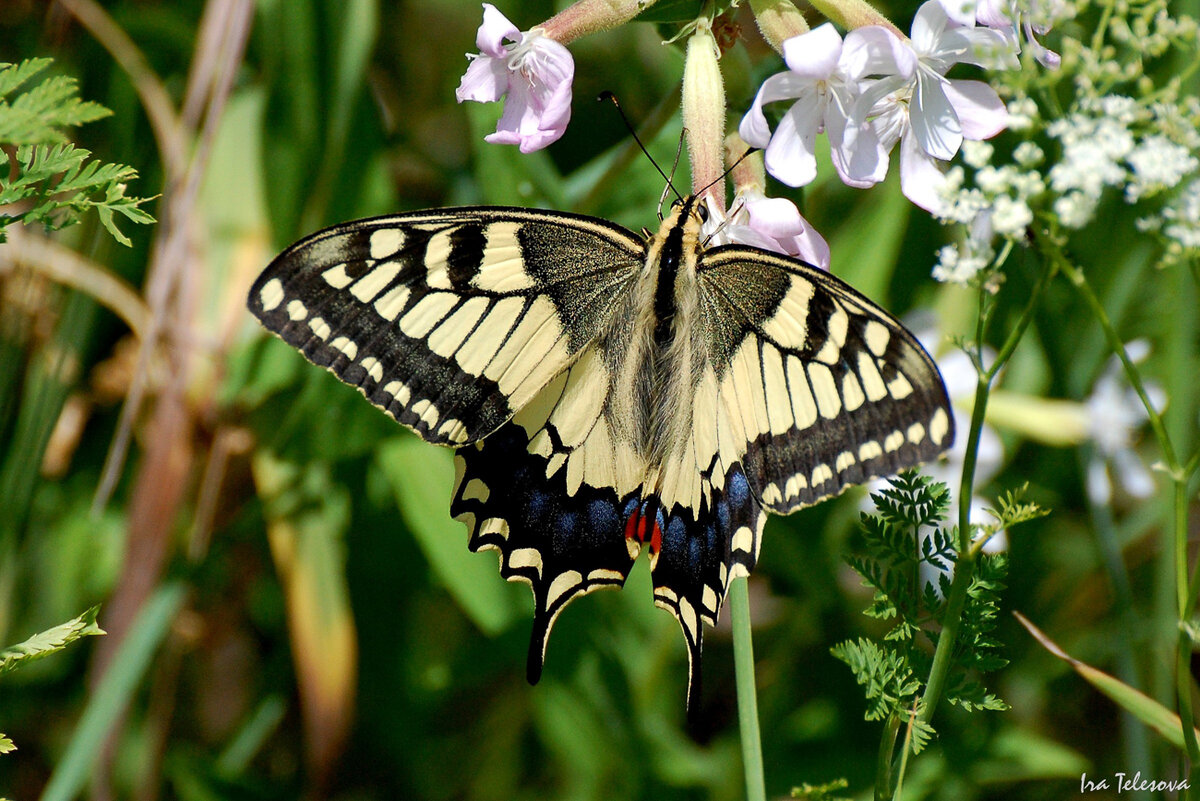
930,115
534,71
768,223
822,77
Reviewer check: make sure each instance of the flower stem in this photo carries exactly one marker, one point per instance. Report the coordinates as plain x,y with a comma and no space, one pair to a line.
964,567
883,767
1186,590
743,665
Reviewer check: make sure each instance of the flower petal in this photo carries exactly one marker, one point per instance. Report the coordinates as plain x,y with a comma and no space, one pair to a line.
780,86
980,111
815,54
962,12
855,149
982,47
933,119
920,179
791,155
994,14
538,107
876,50
485,81
928,26
494,30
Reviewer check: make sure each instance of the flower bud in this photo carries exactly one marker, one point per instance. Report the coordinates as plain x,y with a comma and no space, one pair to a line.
704,112
778,21
591,16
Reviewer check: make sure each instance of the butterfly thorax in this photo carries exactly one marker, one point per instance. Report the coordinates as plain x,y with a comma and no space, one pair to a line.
661,351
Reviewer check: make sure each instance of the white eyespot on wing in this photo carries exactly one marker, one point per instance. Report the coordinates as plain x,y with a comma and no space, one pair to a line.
296,310
877,337
839,325
391,303
939,425
320,328
373,368
503,269
791,316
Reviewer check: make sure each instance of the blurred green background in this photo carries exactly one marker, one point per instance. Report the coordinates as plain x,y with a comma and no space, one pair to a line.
292,614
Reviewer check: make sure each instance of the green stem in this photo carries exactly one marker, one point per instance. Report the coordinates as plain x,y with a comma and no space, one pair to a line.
883,766
743,665
906,749
1079,280
1186,590
964,567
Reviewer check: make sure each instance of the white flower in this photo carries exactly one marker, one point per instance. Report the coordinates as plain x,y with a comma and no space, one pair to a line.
1094,149
1180,221
769,223
534,71
1028,154
1010,217
930,115
1156,164
822,79
1115,413
1075,209
1022,113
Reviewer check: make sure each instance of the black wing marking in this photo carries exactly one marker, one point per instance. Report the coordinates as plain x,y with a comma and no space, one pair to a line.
450,320
548,491
823,389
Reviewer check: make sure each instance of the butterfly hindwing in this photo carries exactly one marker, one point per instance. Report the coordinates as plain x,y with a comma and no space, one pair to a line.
823,389
450,320
549,490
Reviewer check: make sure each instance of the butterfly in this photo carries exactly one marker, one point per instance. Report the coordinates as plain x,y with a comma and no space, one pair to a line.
609,393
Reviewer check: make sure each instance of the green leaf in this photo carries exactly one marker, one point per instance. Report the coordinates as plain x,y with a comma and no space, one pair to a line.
111,697
35,115
1137,703
50,641
821,792
53,180
6,745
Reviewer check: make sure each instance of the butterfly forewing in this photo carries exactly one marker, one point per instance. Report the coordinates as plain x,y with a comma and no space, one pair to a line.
823,388
450,320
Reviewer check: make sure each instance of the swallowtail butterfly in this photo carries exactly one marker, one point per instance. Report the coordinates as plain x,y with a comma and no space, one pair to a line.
609,393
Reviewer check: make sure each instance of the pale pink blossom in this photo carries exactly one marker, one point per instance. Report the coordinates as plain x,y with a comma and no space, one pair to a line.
822,80
768,223
533,71
928,114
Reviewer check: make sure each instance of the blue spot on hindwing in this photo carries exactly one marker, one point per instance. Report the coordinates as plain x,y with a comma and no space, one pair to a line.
739,489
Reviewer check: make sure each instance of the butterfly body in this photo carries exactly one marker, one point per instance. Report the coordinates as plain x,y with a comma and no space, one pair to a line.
609,393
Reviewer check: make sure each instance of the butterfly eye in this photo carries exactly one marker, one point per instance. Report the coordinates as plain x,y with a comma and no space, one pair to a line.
702,210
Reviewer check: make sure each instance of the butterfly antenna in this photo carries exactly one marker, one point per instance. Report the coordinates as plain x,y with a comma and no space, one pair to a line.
606,95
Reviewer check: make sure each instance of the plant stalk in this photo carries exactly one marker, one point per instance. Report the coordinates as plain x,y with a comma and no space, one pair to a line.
747,697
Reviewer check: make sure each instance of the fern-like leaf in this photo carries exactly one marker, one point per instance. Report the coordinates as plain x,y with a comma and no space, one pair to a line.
50,641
